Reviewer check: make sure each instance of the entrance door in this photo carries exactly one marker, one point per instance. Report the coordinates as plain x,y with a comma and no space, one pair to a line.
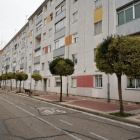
45,85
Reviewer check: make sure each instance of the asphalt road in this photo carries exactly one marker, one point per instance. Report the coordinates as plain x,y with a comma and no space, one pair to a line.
25,118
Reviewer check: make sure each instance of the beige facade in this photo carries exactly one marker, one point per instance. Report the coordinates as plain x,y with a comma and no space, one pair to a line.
70,29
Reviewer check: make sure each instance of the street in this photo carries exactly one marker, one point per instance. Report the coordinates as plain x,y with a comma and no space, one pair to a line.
25,118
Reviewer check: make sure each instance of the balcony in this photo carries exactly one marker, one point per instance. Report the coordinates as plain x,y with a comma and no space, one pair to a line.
37,59
14,59
22,55
129,28
23,35
22,66
37,47
38,19
22,45
58,2
60,16
36,71
120,3
38,32
59,34
7,63
59,52
14,68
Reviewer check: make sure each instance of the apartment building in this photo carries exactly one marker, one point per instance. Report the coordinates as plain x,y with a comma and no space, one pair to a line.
72,29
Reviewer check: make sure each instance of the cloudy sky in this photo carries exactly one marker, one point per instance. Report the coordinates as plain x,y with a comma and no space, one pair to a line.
13,15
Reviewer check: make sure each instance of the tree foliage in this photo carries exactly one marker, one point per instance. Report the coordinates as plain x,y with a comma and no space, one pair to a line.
119,55
61,67
36,77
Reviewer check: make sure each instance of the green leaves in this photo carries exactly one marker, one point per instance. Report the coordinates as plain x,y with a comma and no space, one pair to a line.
120,55
36,77
10,75
20,76
4,77
62,67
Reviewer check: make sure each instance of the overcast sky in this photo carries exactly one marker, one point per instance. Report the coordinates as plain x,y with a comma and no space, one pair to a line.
13,15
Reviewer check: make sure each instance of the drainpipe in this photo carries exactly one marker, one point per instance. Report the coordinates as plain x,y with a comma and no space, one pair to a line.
108,84
68,49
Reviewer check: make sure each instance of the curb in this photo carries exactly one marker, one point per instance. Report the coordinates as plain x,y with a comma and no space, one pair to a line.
84,110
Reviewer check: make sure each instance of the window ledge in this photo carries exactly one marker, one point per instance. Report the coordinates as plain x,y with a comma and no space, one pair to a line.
97,87
73,87
132,88
75,21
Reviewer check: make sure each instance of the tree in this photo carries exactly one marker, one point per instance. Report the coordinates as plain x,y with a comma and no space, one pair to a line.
20,77
36,77
25,78
119,55
0,80
10,76
61,67
4,78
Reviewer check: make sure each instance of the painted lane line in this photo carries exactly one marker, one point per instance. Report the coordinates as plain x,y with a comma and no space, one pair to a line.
98,136
32,108
66,122
43,120
115,121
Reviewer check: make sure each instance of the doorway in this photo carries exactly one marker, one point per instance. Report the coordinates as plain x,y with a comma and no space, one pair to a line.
45,85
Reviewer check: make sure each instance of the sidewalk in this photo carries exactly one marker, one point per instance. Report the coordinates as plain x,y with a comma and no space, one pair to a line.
91,106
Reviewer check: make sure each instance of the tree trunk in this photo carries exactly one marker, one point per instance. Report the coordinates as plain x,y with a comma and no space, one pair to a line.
0,84
120,95
11,84
61,90
20,87
3,85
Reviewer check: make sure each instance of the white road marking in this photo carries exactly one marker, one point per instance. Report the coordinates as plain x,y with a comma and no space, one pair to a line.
115,121
23,104
33,108
98,136
66,122
44,120
16,101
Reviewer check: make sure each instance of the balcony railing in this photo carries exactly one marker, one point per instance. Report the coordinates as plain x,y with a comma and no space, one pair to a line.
38,32
59,34
60,16
23,45
59,52
37,59
14,51
38,46
38,19
14,59
23,35
22,66
22,55
58,2
36,71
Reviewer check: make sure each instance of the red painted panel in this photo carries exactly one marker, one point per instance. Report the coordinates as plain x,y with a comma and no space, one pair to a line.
46,50
85,81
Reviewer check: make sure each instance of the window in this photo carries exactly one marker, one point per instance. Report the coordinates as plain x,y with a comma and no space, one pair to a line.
49,48
48,65
98,81
50,32
58,12
39,14
60,43
74,57
75,38
137,9
45,8
51,17
43,51
133,83
75,16
44,36
98,28
31,32
51,2
60,25
31,44
98,4
30,57
74,82
29,69
58,82
42,66
45,21
38,27
129,13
